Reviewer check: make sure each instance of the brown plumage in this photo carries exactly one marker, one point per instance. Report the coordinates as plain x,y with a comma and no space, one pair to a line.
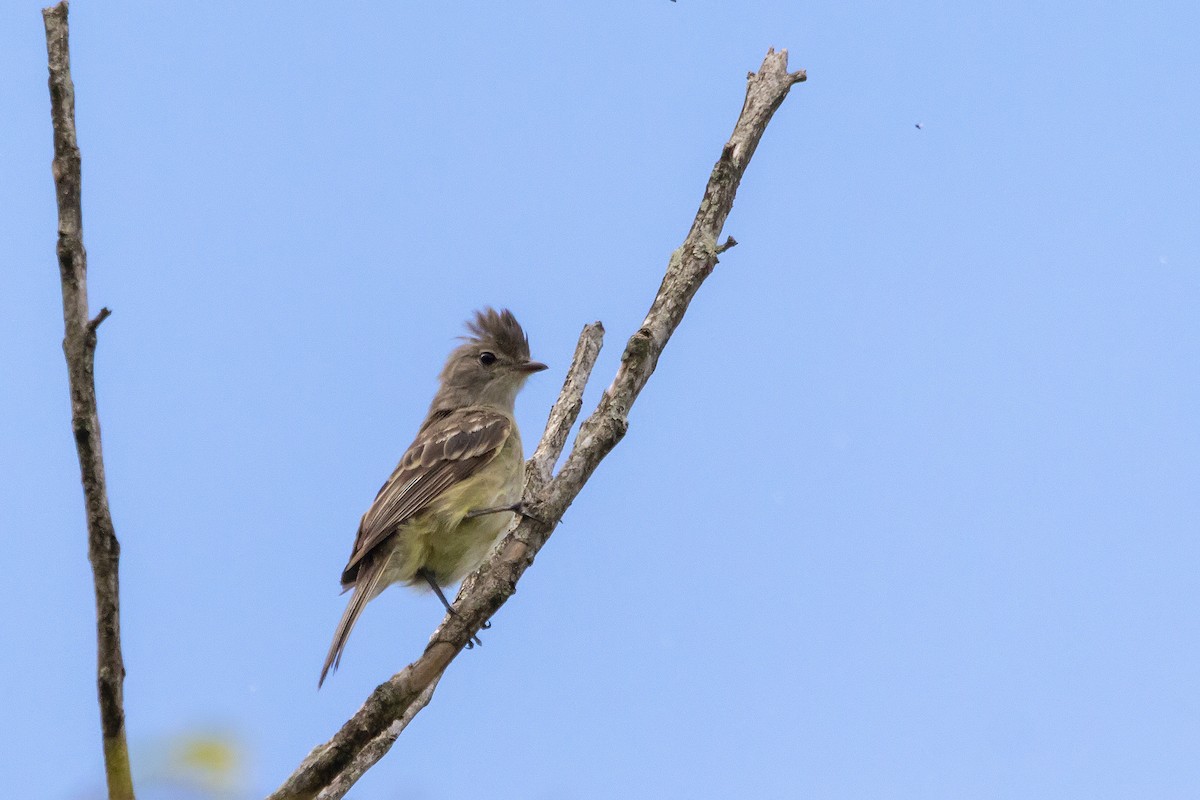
466,457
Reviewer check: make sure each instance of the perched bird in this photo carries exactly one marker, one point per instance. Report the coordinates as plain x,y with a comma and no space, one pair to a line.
458,484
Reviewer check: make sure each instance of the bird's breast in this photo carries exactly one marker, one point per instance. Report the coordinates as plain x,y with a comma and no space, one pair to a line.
450,544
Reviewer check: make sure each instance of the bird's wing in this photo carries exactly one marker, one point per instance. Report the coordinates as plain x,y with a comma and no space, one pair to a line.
448,451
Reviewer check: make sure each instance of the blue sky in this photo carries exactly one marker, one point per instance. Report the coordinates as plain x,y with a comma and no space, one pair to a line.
909,509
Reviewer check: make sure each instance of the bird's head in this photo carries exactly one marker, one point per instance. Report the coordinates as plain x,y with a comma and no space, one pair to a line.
490,366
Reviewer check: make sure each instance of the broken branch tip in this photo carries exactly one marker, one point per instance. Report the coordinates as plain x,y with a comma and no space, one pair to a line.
104,314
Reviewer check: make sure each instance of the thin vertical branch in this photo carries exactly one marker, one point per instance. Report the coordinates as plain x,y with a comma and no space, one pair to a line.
79,346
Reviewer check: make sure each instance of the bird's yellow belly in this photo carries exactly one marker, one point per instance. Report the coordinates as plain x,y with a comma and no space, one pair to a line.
443,541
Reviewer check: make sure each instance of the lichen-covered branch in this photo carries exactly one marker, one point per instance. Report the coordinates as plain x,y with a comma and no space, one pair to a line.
566,409
79,346
331,768
376,749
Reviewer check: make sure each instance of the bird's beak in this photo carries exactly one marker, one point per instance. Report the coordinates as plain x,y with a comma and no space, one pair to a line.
530,367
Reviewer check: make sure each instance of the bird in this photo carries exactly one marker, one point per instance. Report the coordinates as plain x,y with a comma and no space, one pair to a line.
458,484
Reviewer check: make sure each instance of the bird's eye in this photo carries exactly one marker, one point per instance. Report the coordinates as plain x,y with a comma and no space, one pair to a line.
487,359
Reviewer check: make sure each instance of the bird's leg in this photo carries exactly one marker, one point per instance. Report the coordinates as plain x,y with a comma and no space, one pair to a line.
517,508
433,584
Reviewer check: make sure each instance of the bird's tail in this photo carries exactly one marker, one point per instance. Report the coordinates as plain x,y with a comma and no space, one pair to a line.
365,588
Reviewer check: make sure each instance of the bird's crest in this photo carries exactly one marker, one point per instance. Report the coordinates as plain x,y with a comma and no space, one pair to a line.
501,330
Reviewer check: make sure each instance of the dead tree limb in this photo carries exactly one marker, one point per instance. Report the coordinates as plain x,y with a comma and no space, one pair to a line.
330,769
79,345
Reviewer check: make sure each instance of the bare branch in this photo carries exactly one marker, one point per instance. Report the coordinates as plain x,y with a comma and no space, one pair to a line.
79,345
688,267
485,591
376,749
566,409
